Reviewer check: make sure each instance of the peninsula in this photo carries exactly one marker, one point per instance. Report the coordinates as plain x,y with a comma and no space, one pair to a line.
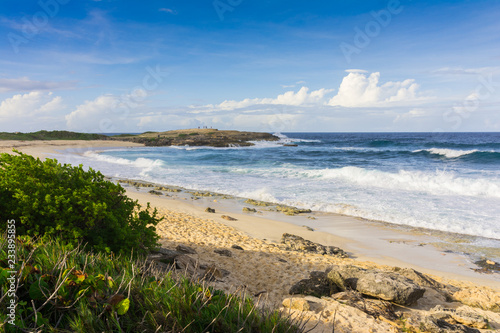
198,137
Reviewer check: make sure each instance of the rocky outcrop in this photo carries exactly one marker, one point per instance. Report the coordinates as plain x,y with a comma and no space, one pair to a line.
199,137
297,243
317,285
388,286
443,320
178,259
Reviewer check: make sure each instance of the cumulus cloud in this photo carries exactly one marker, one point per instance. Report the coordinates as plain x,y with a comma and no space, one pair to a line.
301,97
30,104
359,90
105,113
25,84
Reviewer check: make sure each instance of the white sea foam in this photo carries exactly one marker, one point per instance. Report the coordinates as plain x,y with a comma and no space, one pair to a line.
286,139
438,182
448,153
141,162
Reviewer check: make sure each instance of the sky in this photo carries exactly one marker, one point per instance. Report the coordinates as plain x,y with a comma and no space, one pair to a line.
114,66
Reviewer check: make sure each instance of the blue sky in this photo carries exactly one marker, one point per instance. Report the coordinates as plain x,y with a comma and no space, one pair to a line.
128,66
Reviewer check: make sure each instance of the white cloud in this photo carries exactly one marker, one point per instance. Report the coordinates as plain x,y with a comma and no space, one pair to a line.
466,71
168,10
30,104
106,113
415,113
301,97
359,90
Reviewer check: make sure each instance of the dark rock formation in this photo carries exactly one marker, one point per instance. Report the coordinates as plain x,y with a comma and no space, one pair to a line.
185,249
229,218
237,247
210,210
224,252
317,285
297,243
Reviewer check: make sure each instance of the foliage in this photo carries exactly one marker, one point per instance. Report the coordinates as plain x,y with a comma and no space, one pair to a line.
65,289
182,135
47,198
52,135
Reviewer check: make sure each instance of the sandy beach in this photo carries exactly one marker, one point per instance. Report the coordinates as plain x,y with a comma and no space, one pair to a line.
265,270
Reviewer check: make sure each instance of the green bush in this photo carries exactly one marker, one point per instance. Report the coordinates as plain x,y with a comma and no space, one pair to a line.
47,198
182,135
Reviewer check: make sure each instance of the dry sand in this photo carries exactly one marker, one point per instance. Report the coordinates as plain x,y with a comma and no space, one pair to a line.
263,268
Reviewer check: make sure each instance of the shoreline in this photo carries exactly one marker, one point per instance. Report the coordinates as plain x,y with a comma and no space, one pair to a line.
265,271
379,242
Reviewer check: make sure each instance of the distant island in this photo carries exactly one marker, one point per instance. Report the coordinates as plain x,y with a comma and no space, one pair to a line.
191,137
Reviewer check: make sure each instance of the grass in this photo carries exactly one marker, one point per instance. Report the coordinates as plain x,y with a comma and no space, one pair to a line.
66,289
51,135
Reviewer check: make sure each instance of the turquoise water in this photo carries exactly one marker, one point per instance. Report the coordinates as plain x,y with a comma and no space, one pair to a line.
442,181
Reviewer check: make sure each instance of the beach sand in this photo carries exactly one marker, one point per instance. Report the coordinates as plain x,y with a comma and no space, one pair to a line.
264,269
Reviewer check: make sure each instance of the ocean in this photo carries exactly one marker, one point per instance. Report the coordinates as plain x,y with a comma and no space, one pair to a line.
439,181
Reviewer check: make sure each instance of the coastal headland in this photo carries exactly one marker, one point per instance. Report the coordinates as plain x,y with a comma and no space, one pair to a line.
248,250
199,137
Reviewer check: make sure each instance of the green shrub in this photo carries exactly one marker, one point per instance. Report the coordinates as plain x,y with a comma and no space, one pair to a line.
47,198
78,291
182,135
194,133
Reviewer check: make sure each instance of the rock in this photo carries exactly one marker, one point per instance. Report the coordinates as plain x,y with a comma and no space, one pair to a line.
388,286
317,285
432,325
296,304
289,210
210,210
249,210
465,316
308,228
237,247
224,252
213,273
487,266
462,315
229,218
479,297
258,203
155,192
187,264
297,243
185,249
164,256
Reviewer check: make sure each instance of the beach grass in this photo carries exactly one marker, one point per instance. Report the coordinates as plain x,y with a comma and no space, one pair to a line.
64,288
